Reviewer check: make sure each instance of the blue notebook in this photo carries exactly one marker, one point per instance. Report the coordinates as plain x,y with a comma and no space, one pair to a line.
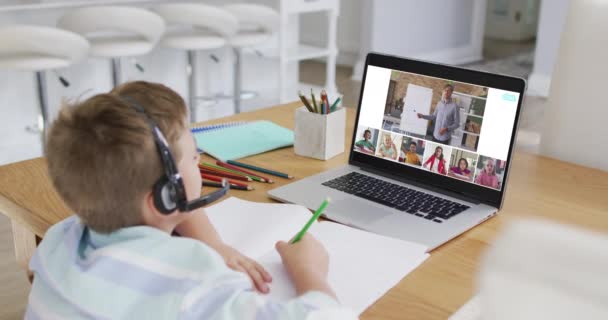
234,142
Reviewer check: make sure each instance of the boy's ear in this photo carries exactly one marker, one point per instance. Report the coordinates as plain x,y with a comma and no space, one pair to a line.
150,214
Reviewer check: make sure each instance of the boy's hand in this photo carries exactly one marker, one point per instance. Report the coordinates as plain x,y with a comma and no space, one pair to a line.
237,261
307,256
307,263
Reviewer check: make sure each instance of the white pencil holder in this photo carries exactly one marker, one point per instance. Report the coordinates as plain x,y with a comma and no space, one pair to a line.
319,136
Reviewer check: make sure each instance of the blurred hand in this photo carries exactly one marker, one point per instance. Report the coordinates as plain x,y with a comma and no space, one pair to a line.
419,115
443,130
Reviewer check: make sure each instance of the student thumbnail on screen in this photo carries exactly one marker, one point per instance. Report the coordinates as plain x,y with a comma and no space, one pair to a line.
388,145
411,151
366,140
490,172
462,165
435,158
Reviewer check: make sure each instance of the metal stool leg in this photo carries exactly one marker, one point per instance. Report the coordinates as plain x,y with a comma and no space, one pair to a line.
237,80
43,105
192,73
116,72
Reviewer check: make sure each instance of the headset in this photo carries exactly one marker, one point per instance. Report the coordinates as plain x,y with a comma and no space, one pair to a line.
169,192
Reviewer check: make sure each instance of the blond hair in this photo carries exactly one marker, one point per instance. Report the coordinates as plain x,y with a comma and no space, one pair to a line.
101,155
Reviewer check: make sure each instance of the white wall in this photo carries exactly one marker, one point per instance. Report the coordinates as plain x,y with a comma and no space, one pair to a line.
414,27
552,16
436,30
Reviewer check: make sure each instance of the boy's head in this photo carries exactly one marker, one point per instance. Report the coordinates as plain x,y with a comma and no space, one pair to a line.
104,162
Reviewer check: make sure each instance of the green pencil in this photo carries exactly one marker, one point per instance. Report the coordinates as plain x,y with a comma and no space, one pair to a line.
333,106
254,168
315,216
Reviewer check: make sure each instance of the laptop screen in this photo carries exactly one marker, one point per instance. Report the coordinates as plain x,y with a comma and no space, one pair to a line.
459,130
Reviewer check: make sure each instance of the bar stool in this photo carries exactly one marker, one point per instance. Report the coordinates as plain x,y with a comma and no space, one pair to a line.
116,32
257,24
194,28
38,49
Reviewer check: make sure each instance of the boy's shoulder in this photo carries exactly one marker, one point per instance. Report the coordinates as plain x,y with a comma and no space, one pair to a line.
131,245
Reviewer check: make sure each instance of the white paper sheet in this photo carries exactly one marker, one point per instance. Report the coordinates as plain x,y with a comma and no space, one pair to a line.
363,266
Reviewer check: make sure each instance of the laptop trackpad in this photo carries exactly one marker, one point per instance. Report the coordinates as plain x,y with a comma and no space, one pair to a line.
356,211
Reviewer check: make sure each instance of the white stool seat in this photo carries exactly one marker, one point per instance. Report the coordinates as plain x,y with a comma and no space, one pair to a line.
38,48
32,62
111,47
192,39
116,31
249,38
194,26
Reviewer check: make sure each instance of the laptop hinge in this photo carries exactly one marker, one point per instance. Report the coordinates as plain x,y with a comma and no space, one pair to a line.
419,184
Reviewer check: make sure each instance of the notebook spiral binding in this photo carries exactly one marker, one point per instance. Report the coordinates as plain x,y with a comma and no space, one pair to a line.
209,128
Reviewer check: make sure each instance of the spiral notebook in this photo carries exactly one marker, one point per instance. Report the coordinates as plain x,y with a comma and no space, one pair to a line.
236,140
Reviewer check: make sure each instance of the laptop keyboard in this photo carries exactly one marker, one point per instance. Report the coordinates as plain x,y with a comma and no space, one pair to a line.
392,195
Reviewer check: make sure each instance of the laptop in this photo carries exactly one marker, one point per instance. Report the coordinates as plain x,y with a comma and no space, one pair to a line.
430,156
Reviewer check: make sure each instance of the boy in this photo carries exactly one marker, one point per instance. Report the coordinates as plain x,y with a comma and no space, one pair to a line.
117,259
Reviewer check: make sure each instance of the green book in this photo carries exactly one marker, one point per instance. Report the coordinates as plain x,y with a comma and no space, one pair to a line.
236,142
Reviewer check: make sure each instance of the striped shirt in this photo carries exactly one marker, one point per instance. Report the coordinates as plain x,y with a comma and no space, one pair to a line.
144,273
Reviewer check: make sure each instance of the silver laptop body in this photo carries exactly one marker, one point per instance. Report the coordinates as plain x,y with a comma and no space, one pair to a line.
379,218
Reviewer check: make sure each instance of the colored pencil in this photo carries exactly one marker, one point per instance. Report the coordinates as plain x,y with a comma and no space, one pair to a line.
225,174
249,173
219,179
305,102
233,171
254,168
314,217
218,168
232,186
335,105
314,102
325,101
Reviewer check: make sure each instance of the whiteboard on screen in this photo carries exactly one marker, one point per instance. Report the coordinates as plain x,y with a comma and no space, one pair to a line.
417,100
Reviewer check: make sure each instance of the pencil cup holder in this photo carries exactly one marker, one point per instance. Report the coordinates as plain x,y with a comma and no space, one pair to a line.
319,136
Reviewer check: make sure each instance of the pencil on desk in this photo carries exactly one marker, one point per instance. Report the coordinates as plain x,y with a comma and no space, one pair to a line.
252,175
225,174
314,217
215,178
254,168
218,168
235,171
232,186
305,102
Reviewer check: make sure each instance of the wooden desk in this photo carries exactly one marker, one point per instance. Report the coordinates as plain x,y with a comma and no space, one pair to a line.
538,186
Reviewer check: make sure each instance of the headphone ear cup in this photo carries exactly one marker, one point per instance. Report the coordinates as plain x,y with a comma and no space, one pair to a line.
164,196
